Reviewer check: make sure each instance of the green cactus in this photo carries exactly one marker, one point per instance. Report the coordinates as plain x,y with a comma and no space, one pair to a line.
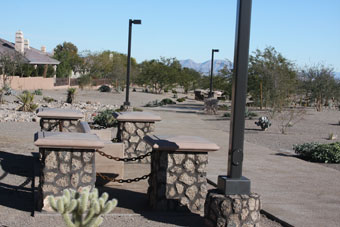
85,207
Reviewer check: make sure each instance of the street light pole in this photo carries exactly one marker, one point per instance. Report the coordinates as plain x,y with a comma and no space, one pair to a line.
234,182
127,103
212,71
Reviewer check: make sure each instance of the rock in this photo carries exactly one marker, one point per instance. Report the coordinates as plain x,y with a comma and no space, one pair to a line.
251,204
51,161
178,158
75,180
171,179
76,164
191,192
129,127
62,182
186,179
237,206
87,156
64,168
179,188
189,166
49,177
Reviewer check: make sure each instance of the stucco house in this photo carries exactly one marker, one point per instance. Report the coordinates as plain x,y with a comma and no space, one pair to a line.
27,53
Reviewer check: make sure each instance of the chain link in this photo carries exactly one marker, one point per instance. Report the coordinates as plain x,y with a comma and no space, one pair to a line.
122,180
124,159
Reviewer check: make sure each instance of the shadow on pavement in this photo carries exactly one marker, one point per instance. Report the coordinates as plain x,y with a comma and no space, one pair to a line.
18,193
137,203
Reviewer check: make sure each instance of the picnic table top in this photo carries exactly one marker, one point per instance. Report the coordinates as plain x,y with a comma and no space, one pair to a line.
67,140
137,116
180,143
57,113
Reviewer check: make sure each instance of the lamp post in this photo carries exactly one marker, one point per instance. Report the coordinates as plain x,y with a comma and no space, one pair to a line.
234,182
127,103
212,71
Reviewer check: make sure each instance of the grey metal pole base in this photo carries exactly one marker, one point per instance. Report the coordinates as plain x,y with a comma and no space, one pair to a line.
126,103
126,108
232,186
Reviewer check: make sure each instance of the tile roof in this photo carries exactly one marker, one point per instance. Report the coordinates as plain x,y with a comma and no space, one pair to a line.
31,56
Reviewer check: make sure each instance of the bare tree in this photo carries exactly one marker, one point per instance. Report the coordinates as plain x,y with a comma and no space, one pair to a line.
289,117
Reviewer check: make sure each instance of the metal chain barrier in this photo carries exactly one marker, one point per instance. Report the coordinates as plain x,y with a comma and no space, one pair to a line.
124,159
122,180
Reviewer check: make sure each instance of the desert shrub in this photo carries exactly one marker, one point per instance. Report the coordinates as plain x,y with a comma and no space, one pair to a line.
223,107
71,92
174,91
315,152
26,99
106,119
136,109
332,136
156,103
49,99
250,114
180,99
167,101
104,88
227,114
264,123
1,94
84,80
134,90
38,92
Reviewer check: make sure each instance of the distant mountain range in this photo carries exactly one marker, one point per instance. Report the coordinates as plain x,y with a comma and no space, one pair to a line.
205,66
218,65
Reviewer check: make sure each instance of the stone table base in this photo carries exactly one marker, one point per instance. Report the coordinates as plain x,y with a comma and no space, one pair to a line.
178,181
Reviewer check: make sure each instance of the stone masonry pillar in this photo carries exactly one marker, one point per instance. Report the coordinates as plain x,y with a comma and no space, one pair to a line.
178,181
67,160
132,127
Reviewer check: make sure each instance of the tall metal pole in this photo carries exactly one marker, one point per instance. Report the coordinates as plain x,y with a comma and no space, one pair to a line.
127,103
211,73
234,182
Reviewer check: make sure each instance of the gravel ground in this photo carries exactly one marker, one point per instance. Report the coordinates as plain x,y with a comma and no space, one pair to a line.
16,182
314,127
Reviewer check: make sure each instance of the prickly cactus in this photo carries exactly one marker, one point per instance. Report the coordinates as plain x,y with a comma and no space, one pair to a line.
82,209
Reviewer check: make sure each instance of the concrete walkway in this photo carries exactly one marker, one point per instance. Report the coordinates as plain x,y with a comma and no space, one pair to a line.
298,192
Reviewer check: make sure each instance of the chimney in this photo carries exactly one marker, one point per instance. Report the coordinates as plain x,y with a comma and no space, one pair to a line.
26,44
43,49
19,41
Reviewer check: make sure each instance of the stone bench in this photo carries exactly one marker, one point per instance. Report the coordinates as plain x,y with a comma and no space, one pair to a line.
105,166
178,180
132,127
63,120
67,161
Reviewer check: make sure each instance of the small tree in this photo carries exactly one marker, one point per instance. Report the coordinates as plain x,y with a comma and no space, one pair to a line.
71,92
319,84
272,78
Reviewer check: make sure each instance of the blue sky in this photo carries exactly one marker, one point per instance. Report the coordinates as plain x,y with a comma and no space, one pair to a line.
306,32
